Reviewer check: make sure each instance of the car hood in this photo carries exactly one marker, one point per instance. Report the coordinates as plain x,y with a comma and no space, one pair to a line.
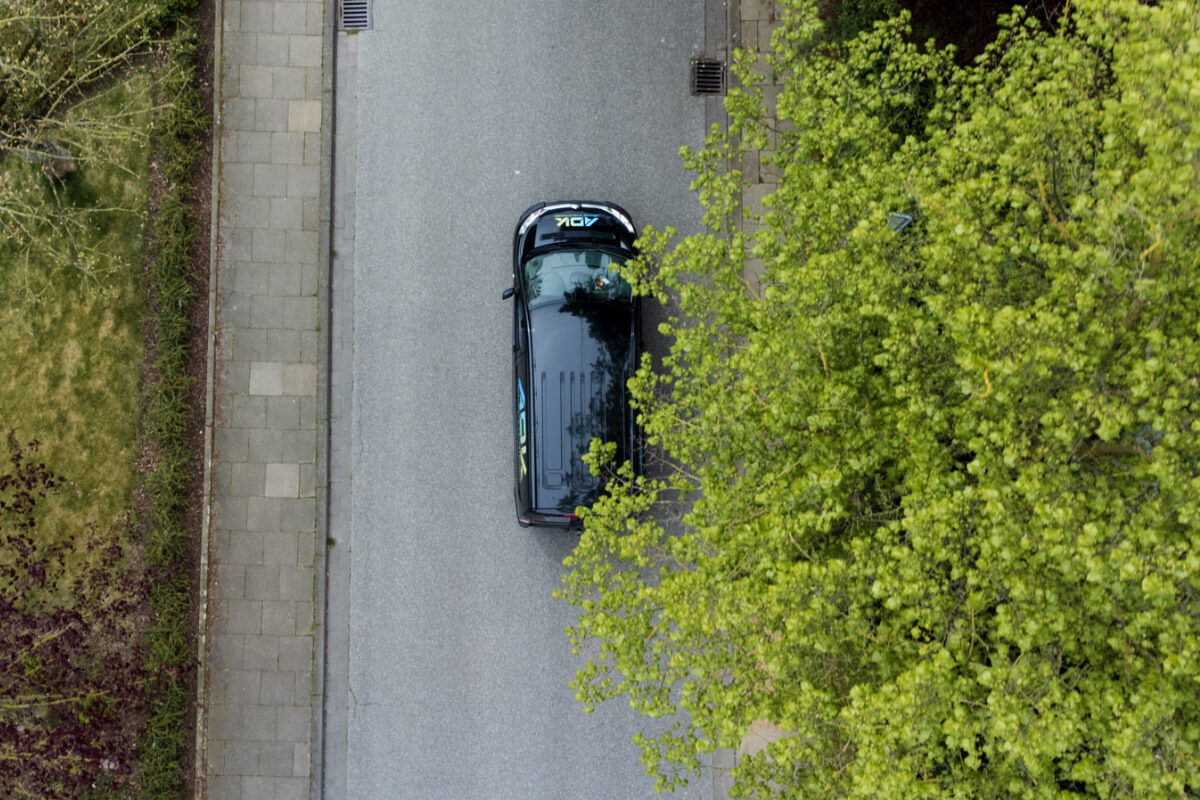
582,357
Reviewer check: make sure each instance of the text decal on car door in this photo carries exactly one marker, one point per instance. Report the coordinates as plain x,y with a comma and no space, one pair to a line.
577,221
521,425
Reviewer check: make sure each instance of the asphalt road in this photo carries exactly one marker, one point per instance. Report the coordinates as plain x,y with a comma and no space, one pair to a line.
467,113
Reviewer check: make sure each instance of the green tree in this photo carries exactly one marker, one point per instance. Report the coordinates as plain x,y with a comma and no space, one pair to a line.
937,488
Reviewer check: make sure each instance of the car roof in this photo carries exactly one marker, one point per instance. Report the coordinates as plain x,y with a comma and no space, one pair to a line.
581,357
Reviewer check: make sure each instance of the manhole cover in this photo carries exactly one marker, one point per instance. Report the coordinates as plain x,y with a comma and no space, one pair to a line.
354,15
708,76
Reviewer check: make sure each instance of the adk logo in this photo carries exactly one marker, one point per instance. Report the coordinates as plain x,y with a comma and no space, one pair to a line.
576,221
521,426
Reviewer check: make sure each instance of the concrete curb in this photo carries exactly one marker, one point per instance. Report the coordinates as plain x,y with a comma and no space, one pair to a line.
324,400
202,677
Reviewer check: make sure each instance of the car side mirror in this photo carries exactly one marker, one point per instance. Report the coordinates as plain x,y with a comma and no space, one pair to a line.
509,292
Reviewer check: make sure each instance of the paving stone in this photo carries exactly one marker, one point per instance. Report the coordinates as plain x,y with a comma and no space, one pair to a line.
227,652
283,480
286,345
305,621
247,411
272,50
252,278
314,18
283,413
240,616
279,689
275,759
296,653
258,787
289,83
281,548
294,725
216,756
301,247
300,313
292,788
252,148
259,723
239,113
261,652
299,379
267,446
266,378
246,479
311,213
270,180
232,20
310,275
303,181
313,82
297,446
245,547
310,341
299,514
254,81
257,16
758,10
285,213
304,686
304,115
224,721
278,617
229,582
237,686
270,115
264,513
287,147
266,311
308,472
295,583
229,512
262,583
304,51
291,17
307,549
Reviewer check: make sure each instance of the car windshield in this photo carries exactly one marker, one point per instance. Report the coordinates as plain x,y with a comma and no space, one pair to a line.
574,275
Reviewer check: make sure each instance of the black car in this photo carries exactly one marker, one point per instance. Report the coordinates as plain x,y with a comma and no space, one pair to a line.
576,337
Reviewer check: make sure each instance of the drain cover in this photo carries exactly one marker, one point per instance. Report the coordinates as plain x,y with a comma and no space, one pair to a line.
708,76
354,15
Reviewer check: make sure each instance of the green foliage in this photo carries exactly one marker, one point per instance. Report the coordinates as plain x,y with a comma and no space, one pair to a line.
936,490
173,293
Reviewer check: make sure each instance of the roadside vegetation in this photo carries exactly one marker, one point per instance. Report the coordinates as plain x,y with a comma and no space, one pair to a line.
928,493
100,123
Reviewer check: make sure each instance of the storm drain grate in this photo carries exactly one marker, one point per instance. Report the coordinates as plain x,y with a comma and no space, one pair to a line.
708,77
354,15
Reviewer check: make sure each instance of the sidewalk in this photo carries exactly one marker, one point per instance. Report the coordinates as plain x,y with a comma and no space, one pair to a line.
258,657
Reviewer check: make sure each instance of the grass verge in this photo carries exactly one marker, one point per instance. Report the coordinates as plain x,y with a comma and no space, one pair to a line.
176,143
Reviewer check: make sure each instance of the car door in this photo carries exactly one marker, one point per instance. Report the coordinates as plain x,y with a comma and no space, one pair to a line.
522,399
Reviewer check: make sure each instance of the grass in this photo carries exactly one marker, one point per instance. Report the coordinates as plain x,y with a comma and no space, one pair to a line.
103,645
71,329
